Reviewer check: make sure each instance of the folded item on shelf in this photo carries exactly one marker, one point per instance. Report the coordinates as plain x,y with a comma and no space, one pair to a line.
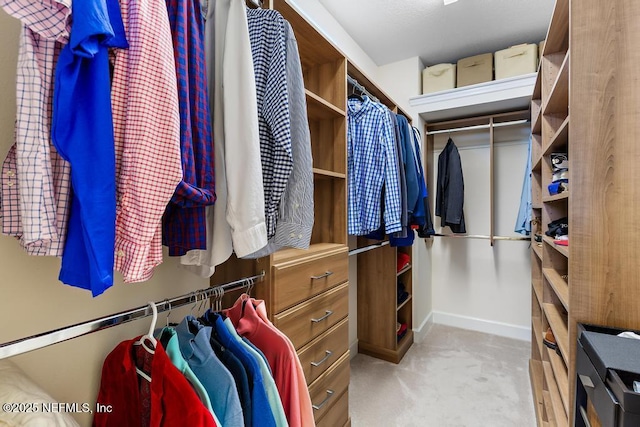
561,175
402,331
403,260
559,227
561,242
558,187
559,161
402,293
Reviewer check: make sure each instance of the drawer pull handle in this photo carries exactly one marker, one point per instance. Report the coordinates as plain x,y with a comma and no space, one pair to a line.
322,276
324,402
586,381
329,313
324,359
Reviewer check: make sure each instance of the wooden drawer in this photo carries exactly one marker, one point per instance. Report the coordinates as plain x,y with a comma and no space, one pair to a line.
326,390
338,414
298,281
306,321
320,353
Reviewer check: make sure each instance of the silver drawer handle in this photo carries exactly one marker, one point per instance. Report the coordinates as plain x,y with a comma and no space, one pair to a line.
324,402
322,276
324,359
329,313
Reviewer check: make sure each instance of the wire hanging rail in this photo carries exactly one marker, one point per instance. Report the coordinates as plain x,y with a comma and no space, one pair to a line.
361,88
483,237
478,127
368,248
45,339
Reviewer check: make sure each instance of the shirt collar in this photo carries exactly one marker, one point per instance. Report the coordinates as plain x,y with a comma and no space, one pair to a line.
187,339
357,108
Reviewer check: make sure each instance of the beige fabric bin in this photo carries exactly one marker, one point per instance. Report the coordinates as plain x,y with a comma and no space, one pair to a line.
438,77
517,60
475,69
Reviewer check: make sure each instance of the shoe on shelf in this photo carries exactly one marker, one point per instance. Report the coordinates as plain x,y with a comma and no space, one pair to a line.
549,340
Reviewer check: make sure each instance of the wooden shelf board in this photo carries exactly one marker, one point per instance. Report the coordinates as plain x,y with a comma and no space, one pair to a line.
546,397
409,298
536,205
562,377
559,139
328,174
559,285
537,289
404,270
537,165
558,32
536,122
556,197
537,87
559,412
564,250
536,249
535,377
316,250
321,109
537,333
559,327
558,102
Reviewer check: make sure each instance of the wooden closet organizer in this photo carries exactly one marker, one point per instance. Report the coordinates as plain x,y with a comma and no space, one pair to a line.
588,72
378,311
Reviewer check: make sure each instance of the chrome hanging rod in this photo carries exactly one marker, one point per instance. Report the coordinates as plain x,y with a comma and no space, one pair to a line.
477,127
45,339
361,88
483,237
368,248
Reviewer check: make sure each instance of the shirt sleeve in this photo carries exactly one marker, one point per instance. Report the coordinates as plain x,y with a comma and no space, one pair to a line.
392,200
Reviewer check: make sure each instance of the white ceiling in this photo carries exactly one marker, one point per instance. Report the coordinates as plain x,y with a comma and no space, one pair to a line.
393,30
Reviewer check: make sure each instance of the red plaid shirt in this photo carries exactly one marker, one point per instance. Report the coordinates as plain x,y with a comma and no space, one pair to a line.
146,121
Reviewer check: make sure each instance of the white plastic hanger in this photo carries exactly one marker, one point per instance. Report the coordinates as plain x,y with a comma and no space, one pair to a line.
149,336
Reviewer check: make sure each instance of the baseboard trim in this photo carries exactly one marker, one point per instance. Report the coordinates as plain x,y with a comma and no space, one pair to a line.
421,332
353,349
481,325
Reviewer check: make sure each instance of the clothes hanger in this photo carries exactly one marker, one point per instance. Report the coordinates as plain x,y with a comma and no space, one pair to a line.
149,336
354,95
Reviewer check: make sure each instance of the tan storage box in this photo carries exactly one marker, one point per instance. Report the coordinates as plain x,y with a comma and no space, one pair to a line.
517,60
475,69
438,77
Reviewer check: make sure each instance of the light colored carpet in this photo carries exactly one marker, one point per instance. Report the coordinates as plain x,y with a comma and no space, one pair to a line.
455,378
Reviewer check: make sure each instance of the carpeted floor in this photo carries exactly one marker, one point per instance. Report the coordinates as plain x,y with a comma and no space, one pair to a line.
455,378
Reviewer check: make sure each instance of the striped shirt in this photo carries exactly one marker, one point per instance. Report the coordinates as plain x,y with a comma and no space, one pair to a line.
269,51
35,179
372,164
144,96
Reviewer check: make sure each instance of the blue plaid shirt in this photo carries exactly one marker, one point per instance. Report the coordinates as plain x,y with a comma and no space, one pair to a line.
371,163
269,51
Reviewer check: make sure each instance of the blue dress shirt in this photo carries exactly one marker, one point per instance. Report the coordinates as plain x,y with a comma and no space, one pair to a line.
523,223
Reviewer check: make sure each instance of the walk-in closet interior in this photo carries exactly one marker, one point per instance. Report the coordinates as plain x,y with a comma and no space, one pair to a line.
322,213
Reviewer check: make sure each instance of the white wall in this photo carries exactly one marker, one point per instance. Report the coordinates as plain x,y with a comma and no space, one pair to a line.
401,80
477,286
32,300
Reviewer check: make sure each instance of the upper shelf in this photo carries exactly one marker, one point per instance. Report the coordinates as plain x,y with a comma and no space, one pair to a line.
558,34
484,98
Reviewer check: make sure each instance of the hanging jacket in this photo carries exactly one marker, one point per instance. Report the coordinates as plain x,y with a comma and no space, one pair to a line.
450,195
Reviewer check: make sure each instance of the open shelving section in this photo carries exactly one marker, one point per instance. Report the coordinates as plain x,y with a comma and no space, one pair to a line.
550,296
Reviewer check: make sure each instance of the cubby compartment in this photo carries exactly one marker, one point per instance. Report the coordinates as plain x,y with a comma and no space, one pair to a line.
328,145
330,198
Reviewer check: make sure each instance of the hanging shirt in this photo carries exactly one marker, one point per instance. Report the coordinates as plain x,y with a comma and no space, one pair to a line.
450,195
146,120
269,52
261,411
280,356
195,346
82,113
523,222
296,216
371,163
269,384
172,348
237,219
410,165
172,400
35,179
184,221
